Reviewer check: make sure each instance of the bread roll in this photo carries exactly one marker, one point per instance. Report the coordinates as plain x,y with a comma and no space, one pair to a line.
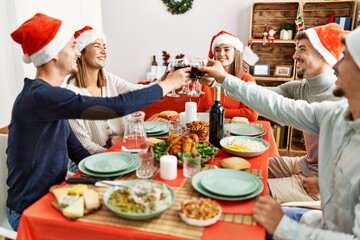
236,163
240,120
168,114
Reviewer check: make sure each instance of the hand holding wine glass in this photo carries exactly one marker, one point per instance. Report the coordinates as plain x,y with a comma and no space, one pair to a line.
196,74
175,65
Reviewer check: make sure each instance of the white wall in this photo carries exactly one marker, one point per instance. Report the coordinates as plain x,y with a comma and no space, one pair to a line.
138,29
15,12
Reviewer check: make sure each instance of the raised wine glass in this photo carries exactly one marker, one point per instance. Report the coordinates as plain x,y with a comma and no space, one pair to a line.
175,65
195,75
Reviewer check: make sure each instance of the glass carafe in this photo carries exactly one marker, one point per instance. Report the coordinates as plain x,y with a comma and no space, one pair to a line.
135,140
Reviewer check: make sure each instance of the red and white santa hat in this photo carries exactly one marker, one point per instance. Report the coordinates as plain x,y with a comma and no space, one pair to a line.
326,40
87,35
224,37
353,46
41,38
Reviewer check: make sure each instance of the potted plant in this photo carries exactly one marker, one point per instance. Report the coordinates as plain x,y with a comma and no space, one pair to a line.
286,31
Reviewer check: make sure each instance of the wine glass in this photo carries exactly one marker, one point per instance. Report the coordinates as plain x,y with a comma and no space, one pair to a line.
195,75
175,65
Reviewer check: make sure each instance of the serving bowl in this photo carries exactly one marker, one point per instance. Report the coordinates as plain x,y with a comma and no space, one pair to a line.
133,215
207,205
248,146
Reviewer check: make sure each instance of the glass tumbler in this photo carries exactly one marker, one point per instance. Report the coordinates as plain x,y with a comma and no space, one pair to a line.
191,164
146,169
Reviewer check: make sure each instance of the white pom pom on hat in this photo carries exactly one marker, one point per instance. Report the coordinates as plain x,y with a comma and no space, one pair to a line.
353,46
87,35
41,44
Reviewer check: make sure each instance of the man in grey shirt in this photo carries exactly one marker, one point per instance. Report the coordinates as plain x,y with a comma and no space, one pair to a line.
317,50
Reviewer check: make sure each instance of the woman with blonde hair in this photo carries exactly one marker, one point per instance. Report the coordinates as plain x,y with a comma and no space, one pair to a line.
228,49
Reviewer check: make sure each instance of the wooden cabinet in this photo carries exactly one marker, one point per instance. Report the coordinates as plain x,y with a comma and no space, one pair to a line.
277,13
279,53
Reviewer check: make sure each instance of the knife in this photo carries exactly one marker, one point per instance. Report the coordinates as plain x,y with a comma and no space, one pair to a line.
139,190
98,183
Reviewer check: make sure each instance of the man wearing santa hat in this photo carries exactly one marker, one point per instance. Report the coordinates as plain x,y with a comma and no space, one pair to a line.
338,126
40,140
317,51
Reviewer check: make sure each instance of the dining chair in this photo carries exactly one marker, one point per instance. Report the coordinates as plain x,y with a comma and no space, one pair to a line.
5,228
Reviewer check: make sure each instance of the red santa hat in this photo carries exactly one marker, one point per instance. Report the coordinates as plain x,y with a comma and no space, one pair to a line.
87,35
225,38
353,46
326,40
41,38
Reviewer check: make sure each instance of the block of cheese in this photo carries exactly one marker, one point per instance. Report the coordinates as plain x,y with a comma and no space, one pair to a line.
91,199
60,193
77,189
75,210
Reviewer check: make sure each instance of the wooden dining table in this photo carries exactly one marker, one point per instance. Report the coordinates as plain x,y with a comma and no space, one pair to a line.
42,221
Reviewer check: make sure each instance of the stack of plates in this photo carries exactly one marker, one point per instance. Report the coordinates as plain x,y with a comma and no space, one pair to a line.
109,164
156,128
243,129
227,184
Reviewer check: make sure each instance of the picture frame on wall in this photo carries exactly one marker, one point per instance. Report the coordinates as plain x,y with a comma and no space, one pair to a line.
283,71
261,70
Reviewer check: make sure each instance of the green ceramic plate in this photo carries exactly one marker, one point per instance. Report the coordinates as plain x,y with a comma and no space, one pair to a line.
222,182
155,127
136,216
159,133
243,129
136,163
196,183
108,162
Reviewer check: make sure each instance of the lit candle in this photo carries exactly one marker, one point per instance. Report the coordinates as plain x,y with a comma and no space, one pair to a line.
168,167
190,111
182,119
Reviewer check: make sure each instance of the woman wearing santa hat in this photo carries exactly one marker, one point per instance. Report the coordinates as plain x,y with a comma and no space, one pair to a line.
93,80
228,49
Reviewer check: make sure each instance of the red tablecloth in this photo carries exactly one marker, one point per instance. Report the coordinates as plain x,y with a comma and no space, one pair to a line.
42,221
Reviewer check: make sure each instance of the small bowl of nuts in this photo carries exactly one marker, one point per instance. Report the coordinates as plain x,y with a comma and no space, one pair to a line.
200,212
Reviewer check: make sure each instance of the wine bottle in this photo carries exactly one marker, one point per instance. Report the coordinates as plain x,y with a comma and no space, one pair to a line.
154,63
216,118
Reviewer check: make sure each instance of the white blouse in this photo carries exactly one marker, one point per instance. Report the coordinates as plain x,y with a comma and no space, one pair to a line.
93,134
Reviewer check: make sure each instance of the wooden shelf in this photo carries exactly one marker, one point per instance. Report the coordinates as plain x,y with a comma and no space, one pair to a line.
274,14
276,41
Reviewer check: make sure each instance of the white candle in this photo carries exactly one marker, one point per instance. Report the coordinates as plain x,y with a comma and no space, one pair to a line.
168,167
190,111
182,119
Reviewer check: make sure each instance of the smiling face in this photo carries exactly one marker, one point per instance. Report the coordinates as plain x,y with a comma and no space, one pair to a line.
309,62
348,73
95,54
225,54
67,58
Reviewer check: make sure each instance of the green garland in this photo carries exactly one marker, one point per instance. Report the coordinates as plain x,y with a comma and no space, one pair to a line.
178,7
